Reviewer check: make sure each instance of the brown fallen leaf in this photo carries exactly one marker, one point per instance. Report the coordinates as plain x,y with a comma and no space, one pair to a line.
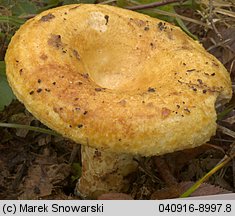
115,196
36,184
42,179
24,119
177,160
44,139
58,172
164,170
43,176
176,190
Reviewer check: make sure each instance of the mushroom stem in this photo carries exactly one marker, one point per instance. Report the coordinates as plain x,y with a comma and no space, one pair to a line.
104,172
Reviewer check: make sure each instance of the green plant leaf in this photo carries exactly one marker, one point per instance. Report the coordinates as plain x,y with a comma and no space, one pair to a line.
6,94
184,27
5,3
150,12
2,68
12,20
77,171
154,12
23,7
50,2
229,107
65,2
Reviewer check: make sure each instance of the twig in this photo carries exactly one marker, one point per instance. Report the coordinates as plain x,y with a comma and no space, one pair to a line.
225,12
215,147
226,131
222,43
153,4
210,19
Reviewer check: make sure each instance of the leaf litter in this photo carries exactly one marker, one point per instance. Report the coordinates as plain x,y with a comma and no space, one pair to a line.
33,165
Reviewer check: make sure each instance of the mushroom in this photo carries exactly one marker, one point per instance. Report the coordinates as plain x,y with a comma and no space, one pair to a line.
120,83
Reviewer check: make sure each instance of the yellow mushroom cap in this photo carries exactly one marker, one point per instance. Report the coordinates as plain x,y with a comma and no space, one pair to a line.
115,79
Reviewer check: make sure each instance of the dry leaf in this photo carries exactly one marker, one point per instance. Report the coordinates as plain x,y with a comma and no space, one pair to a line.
176,190
23,119
179,159
44,140
164,170
58,172
115,196
37,183
41,179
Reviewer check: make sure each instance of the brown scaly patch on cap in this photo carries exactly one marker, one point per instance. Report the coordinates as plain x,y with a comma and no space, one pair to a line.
165,112
47,17
55,41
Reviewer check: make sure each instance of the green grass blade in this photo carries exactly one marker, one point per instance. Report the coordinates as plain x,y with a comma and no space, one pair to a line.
28,127
227,110
12,20
184,27
205,177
